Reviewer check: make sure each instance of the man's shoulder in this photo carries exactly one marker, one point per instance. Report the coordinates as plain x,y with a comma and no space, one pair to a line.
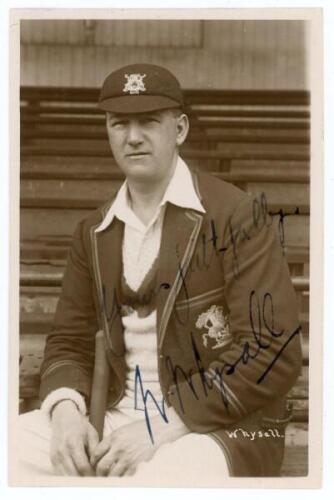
94,218
218,194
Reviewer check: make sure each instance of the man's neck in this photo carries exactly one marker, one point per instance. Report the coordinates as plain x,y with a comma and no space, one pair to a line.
146,197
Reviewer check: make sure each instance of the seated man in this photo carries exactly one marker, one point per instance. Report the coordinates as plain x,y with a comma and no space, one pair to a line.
186,278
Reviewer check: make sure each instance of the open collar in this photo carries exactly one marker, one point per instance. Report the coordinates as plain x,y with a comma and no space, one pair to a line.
180,192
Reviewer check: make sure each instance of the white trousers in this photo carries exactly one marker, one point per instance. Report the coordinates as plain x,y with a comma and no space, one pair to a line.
193,460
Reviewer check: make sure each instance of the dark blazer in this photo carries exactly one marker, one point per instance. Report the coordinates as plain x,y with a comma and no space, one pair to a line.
227,322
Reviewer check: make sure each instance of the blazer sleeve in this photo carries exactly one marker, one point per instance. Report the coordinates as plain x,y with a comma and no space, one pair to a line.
70,346
263,359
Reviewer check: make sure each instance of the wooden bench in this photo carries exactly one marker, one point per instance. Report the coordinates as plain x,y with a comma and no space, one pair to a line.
256,140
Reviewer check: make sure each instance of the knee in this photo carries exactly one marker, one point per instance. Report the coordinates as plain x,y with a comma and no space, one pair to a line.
34,422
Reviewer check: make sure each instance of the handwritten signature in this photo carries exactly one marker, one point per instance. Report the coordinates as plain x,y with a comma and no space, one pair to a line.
263,334
213,244
145,394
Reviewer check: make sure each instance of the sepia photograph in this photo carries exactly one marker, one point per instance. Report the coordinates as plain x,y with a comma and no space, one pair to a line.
163,172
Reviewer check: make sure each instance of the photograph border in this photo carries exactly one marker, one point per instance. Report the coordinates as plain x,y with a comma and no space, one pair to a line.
314,15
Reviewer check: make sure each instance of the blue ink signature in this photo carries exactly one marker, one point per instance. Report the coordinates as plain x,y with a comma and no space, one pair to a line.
145,394
265,316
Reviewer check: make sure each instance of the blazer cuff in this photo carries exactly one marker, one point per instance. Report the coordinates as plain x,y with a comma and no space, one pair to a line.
65,373
63,394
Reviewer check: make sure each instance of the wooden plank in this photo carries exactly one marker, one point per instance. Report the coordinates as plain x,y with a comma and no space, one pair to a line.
37,308
296,434
93,193
33,275
39,166
49,249
296,229
37,274
36,324
281,152
291,196
297,254
45,222
237,97
45,291
305,301
67,193
195,111
40,301
29,379
27,120
36,311
201,123
286,125
248,97
61,167
32,351
34,272
240,134
41,275
297,269
292,254
244,111
39,250
47,253
36,222
300,410
227,151
41,289
295,462
273,171
301,283
67,108
40,93
40,322
29,382
64,168
32,348
301,388
304,321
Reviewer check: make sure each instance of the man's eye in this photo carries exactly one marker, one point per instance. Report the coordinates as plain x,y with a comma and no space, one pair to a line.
150,119
117,124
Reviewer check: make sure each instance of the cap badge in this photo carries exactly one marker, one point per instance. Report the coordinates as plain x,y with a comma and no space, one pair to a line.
134,83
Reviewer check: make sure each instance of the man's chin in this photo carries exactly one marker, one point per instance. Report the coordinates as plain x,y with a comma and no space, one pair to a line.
139,170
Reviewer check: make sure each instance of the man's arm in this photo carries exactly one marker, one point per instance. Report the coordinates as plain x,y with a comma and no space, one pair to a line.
67,368
69,351
264,359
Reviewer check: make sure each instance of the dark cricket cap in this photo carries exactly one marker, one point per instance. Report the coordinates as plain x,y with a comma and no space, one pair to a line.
138,88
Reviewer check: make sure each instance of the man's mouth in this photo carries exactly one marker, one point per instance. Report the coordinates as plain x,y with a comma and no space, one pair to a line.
137,154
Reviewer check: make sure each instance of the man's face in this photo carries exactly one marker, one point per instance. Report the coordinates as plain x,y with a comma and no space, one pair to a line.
145,145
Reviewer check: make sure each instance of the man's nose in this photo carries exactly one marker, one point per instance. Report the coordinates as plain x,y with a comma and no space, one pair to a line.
135,136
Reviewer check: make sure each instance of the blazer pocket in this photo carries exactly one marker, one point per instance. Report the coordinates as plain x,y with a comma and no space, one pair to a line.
200,300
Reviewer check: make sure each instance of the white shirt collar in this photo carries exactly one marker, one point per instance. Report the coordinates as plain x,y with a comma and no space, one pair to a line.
180,191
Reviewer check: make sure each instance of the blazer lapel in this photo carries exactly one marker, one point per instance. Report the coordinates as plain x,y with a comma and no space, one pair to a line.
179,237
107,259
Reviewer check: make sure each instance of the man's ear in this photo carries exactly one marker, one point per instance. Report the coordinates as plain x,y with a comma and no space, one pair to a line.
182,128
